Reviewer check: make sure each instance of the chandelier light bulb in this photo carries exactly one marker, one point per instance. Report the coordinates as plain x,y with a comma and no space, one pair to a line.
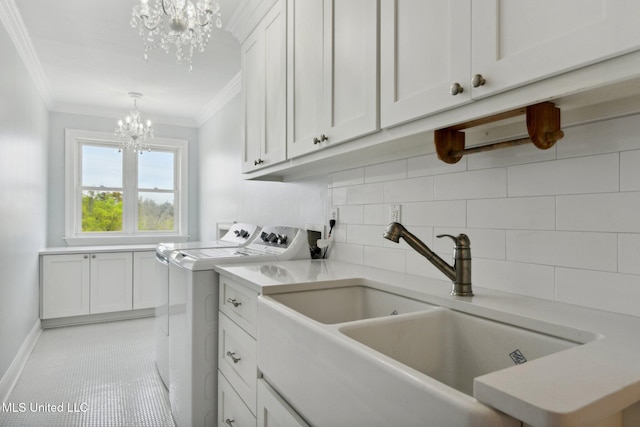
133,131
179,23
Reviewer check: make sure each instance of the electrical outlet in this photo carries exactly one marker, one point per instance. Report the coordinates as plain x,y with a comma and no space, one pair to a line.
333,214
394,213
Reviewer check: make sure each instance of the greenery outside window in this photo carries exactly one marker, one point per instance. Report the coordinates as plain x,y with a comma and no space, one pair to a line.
115,196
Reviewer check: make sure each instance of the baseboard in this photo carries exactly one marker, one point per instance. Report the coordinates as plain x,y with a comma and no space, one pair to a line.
97,318
10,378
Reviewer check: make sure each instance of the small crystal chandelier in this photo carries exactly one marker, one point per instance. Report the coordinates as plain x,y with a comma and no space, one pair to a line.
132,130
176,22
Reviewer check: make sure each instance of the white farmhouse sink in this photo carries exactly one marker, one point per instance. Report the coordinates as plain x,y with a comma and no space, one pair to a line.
454,347
345,304
340,358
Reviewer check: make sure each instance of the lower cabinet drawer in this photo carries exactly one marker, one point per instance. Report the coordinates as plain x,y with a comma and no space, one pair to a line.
237,360
274,411
232,412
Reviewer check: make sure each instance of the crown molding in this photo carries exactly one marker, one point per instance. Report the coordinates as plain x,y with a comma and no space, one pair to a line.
247,16
226,94
12,21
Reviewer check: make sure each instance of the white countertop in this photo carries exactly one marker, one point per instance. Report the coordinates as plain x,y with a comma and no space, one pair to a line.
576,387
96,249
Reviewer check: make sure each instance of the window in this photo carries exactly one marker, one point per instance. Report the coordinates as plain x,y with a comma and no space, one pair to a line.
115,196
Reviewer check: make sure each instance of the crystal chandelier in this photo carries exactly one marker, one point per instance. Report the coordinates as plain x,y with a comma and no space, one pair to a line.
176,22
132,130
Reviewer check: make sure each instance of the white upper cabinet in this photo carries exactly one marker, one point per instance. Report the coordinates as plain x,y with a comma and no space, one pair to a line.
264,82
515,42
437,54
424,54
332,72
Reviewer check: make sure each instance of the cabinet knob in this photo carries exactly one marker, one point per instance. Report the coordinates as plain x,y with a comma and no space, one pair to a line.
322,138
456,89
258,162
233,357
234,301
86,257
478,80
93,256
229,422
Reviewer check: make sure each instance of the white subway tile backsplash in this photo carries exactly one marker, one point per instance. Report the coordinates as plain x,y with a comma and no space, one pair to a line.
385,171
516,277
385,258
605,291
559,224
522,213
348,177
430,165
351,214
365,235
629,171
615,212
367,193
489,183
347,253
444,214
519,155
592,174
594,251
604,137
339,196
409,190
629,253
377,214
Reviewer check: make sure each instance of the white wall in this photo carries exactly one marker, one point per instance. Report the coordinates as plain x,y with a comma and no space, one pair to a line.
226,196
561,224
23,210
61,121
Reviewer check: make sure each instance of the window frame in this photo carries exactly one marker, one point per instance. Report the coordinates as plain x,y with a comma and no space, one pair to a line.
74,139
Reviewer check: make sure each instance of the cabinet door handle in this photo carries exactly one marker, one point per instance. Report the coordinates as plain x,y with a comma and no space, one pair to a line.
316,140
234,301
456,89
229,422
478,80
233,357
93,256
258,162
86,257
324,137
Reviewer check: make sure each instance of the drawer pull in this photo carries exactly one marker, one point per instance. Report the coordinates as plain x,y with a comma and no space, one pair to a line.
234,301
233,357
229,422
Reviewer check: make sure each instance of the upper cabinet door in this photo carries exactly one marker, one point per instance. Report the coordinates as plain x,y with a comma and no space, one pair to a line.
305,68
350,78
332,68
519,41
424,51
264,81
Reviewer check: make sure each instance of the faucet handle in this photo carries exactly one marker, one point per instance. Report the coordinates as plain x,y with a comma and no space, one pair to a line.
460,241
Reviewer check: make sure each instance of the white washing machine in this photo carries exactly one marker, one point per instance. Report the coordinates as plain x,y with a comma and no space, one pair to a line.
239,234
193,317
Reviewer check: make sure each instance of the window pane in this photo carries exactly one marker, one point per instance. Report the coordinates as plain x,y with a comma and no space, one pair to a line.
101,211
155,211
155,170
101,166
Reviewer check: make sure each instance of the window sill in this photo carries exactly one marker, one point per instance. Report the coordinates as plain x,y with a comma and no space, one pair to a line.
124,240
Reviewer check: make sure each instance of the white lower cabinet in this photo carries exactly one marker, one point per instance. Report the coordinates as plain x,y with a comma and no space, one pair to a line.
111,285
273,411
144,287
243,397
237,354
97,282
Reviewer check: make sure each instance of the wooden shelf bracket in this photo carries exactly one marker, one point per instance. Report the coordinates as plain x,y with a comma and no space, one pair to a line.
543,127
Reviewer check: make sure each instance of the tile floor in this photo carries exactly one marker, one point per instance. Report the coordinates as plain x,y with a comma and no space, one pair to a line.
95,375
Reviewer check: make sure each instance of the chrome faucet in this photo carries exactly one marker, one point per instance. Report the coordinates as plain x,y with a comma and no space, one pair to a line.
459,273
